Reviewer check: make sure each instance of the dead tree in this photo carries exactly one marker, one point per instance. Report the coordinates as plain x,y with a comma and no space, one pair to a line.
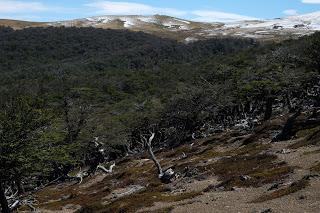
93,163
86,173
268,108
106,170
164,176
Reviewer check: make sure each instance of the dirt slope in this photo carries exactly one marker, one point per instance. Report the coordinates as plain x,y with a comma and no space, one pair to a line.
216,174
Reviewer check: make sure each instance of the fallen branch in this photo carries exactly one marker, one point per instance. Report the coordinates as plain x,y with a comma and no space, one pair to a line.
14,205
105,169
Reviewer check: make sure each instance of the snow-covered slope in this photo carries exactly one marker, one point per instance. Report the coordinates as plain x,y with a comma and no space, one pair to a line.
132,22
309,21
190,31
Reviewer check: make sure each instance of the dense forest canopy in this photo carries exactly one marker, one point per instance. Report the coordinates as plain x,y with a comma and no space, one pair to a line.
63,88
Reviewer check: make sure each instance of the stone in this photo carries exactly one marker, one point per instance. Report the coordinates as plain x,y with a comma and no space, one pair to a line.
245,177
267,210
273,187
285,151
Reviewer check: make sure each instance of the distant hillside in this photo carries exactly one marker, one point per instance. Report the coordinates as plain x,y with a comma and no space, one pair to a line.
189,31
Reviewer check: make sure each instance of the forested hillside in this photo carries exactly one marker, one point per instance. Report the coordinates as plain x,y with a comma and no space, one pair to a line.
82,96
117,74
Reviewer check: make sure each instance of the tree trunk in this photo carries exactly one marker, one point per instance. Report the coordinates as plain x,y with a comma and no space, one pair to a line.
289,103
164,176
154,159
19,186
148,144
286,132
268,110
3,200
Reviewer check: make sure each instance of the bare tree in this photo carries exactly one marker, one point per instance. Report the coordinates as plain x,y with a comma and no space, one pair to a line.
164,176
93,162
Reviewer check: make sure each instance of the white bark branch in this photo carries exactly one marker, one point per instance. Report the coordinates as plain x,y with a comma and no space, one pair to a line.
105,169
164,176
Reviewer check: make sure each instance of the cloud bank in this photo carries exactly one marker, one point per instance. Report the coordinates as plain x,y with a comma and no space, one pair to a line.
290,12
38,9
129,8
217,16
21,6
311,1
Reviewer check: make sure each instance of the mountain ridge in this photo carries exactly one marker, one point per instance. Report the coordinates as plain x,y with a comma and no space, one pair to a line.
188,31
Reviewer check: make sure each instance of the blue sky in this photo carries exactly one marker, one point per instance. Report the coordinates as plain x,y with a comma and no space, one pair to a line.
200,10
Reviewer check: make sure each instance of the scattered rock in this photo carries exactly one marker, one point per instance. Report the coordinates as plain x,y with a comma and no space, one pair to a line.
235,189
119,193
273,187
167,175
178,191
183,156
221,188
245,177
72,207
191,172
308,177
285,151
267,210
67,197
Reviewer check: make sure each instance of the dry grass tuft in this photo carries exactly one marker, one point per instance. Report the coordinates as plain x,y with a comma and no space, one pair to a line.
294,187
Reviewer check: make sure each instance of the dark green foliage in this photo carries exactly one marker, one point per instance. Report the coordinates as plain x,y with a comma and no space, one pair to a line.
116,85
22,121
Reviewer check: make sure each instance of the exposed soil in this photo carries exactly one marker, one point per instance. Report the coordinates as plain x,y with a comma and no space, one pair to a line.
216,174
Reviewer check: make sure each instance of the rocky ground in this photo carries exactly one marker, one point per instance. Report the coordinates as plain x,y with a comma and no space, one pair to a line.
229,172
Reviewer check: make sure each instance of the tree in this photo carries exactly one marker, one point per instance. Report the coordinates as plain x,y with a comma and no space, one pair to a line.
3,200
188,112
67,148
164,176
312,51
22,120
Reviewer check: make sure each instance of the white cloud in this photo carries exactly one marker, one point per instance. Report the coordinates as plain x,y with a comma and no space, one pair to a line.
290,12
311,1
7,6
217,16
129,8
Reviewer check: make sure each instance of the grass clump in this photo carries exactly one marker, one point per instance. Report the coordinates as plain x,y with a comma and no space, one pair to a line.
248,171
307,132
163,210
316,168
308,137
145,199
187,149
270,175
207,154
294,187
251,149
312,152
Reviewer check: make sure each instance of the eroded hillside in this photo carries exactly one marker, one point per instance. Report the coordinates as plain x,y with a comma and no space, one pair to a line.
232,171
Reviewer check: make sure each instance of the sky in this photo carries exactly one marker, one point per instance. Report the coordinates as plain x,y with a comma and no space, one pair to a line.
197,10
